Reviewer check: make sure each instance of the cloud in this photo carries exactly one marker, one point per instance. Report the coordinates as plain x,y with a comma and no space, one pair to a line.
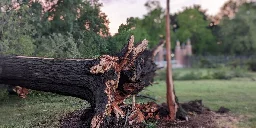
212,7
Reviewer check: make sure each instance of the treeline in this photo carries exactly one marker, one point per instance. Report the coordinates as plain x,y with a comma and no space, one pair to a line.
77,28
230,32
67,28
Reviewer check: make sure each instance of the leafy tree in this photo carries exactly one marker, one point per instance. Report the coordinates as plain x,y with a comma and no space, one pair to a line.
74,15
237,35
16,33
65,29
193,25
92,44
153,22
150,27
132,27
58,46
83,21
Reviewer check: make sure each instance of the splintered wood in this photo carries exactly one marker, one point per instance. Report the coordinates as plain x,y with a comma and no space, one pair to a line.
117,91
21,92
108,62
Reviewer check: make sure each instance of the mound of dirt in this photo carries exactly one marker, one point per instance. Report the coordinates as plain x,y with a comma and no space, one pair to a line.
197,116
195,106
222,110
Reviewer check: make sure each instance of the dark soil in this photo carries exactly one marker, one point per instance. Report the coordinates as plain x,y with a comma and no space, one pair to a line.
198,116
223,110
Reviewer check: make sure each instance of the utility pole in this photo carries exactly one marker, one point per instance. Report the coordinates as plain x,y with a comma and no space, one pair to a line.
172,106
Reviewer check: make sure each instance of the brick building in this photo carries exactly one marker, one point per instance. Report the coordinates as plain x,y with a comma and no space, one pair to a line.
179,56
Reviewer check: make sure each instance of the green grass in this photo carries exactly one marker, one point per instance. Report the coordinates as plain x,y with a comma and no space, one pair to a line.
205,74
38,110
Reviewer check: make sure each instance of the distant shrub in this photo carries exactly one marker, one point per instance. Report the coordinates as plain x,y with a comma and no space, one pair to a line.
161,75
239,72
190,76
175,75
228,73
205,63
234,63
222,74
207,76
252,65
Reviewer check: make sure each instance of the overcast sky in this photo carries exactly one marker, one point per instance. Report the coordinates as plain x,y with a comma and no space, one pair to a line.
119,10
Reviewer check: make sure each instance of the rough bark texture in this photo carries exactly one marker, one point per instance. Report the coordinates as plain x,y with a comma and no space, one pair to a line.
171,102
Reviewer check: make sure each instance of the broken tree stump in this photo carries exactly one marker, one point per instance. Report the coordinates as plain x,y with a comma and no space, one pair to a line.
104,82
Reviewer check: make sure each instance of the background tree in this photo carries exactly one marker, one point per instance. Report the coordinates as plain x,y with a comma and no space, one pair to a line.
81,20
62,29
16,33
150,27
132,27
237,34
58,46
194,25
153,22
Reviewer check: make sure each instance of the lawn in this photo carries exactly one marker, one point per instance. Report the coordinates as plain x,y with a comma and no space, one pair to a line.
45,109
37,110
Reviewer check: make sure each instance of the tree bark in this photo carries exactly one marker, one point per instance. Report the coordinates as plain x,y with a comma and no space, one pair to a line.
104,82
172,105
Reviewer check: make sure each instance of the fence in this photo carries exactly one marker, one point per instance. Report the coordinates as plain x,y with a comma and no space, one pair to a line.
213,61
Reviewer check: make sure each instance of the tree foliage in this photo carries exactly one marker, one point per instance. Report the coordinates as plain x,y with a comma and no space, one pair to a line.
150,27
58,46
132,27
66,29
16,33
154,22
193,25
237,35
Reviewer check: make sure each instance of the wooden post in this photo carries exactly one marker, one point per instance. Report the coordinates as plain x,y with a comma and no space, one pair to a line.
172,106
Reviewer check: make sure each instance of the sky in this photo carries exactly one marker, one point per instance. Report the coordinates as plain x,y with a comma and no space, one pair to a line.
119,10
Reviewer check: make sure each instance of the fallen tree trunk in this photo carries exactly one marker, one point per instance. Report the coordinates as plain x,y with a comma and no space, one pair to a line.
104,82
